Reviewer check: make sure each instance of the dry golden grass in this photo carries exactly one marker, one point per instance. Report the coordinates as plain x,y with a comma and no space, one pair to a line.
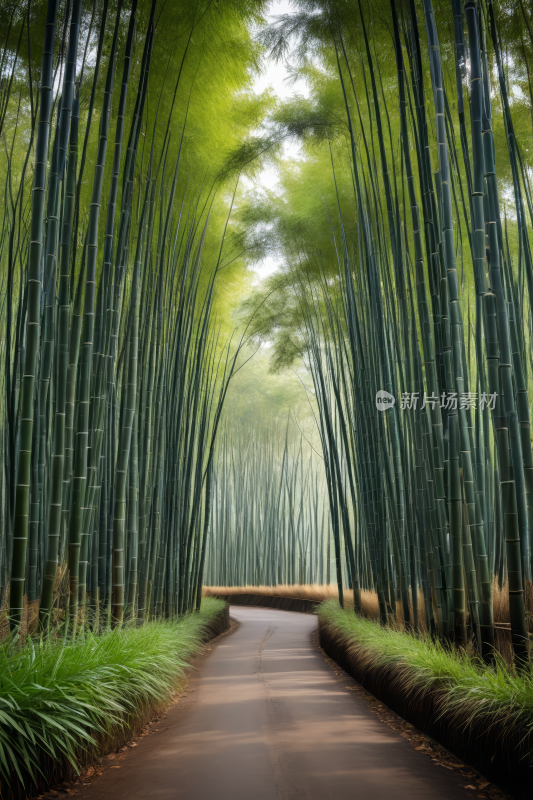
370,606
316,591
311,591
501,603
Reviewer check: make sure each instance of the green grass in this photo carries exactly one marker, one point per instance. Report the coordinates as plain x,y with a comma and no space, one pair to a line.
469,690
59,698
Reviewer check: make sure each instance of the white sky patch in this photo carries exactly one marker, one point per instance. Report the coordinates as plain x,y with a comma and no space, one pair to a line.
275,77
275,74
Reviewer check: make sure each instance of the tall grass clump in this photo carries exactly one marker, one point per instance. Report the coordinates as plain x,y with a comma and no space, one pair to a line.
464,691
61,699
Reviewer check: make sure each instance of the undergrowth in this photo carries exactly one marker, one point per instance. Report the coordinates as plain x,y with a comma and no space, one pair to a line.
58,698
369,599
468,690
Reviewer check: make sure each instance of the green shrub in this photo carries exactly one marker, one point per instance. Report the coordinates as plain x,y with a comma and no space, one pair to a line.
56,696
470,690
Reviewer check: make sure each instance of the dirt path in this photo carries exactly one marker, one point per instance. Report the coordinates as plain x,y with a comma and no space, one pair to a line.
266,718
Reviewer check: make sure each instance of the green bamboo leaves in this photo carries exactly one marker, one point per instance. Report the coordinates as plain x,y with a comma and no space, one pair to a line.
417,288
115,375
416,284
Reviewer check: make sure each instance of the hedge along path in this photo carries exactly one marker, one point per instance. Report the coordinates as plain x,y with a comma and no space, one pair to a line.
65,702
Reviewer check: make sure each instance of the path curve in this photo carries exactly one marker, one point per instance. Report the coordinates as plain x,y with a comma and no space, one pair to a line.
266,719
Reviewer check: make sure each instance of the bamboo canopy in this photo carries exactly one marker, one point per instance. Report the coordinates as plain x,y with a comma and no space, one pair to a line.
114,368
405,295
406,291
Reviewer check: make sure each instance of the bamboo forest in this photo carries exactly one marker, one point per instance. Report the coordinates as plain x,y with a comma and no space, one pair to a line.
266,361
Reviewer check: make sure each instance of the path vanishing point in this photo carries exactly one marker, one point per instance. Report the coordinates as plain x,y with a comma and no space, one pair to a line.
265,717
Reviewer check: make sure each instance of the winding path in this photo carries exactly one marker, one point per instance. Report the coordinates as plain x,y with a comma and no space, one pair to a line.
266,718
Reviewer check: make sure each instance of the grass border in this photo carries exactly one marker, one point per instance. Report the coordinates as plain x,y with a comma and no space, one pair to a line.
64,704
483,715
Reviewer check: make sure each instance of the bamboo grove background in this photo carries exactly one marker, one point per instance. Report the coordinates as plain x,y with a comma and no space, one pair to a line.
113,366
125,246
406,238
270,521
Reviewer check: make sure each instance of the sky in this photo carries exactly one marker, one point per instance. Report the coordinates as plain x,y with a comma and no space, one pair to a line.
274,77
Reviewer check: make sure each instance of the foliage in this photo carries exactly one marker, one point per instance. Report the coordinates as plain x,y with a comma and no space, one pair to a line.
407,268
467,689
269,523
119,269
59,696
